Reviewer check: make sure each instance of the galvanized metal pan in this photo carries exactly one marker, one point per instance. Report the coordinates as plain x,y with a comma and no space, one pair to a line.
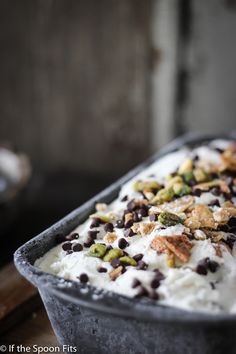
97,321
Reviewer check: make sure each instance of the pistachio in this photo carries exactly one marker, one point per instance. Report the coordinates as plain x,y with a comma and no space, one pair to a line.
102,218
181,189
97,250
205,186
200,175
126,260
169,219
171,181
186,166
139,186
164,195
112,254
188,176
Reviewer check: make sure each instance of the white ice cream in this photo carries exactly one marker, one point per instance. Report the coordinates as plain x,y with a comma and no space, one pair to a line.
182,287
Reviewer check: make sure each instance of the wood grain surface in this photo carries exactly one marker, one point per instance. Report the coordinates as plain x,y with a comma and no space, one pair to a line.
18,298
74,88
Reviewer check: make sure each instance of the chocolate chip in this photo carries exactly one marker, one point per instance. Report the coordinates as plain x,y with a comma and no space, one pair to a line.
218,150
142,292
102,270
159,275
153,295
231,239
137,217
122,243
95,223
108,227
60,238
129,233
136,283
202,266
155,283
153,217
125,198
143,211
129,223
88,243
72,236
141,265
66,246
224,228
232,222
214,202
115,263
119,224
83,278
213,266
93,234
77,247
138,257
197,192
216,191
131,206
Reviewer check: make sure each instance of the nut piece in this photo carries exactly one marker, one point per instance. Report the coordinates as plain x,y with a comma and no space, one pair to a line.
97,250
186,166
201,216
114,274
177,206
142,228
148,186
169,219
103,218
112,254
101,206
164,195
181,189
126,260
110,237
178,245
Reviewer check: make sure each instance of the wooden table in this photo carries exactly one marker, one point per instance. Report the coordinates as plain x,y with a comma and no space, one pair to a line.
23,319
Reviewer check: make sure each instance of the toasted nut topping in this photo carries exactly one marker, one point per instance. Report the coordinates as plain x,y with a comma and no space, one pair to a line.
110,237
128,217
169,219
143,228
114,274
177,206
179,245
164,195
228,158
103,218
101,206
148,186
186,166
201,214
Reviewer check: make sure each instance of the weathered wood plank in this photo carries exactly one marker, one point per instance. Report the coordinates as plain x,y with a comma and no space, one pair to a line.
74,82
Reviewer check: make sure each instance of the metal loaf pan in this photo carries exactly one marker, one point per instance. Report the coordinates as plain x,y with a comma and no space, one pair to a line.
97,321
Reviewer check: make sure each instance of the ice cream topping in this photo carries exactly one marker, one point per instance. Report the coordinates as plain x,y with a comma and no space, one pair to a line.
169,236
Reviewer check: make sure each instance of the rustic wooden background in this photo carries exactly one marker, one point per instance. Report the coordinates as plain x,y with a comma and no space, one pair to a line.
74,82
95,86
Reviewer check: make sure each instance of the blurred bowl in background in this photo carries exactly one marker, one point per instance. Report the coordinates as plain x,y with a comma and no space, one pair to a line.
15,173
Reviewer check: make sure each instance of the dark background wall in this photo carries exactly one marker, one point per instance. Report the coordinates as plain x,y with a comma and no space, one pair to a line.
74,82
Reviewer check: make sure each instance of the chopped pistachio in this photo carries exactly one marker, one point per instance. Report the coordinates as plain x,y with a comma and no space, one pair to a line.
112,254
188,176
164,195
173,180
139,186
97,250
186,166
181,189
126,260
103,218
200,175
169,219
